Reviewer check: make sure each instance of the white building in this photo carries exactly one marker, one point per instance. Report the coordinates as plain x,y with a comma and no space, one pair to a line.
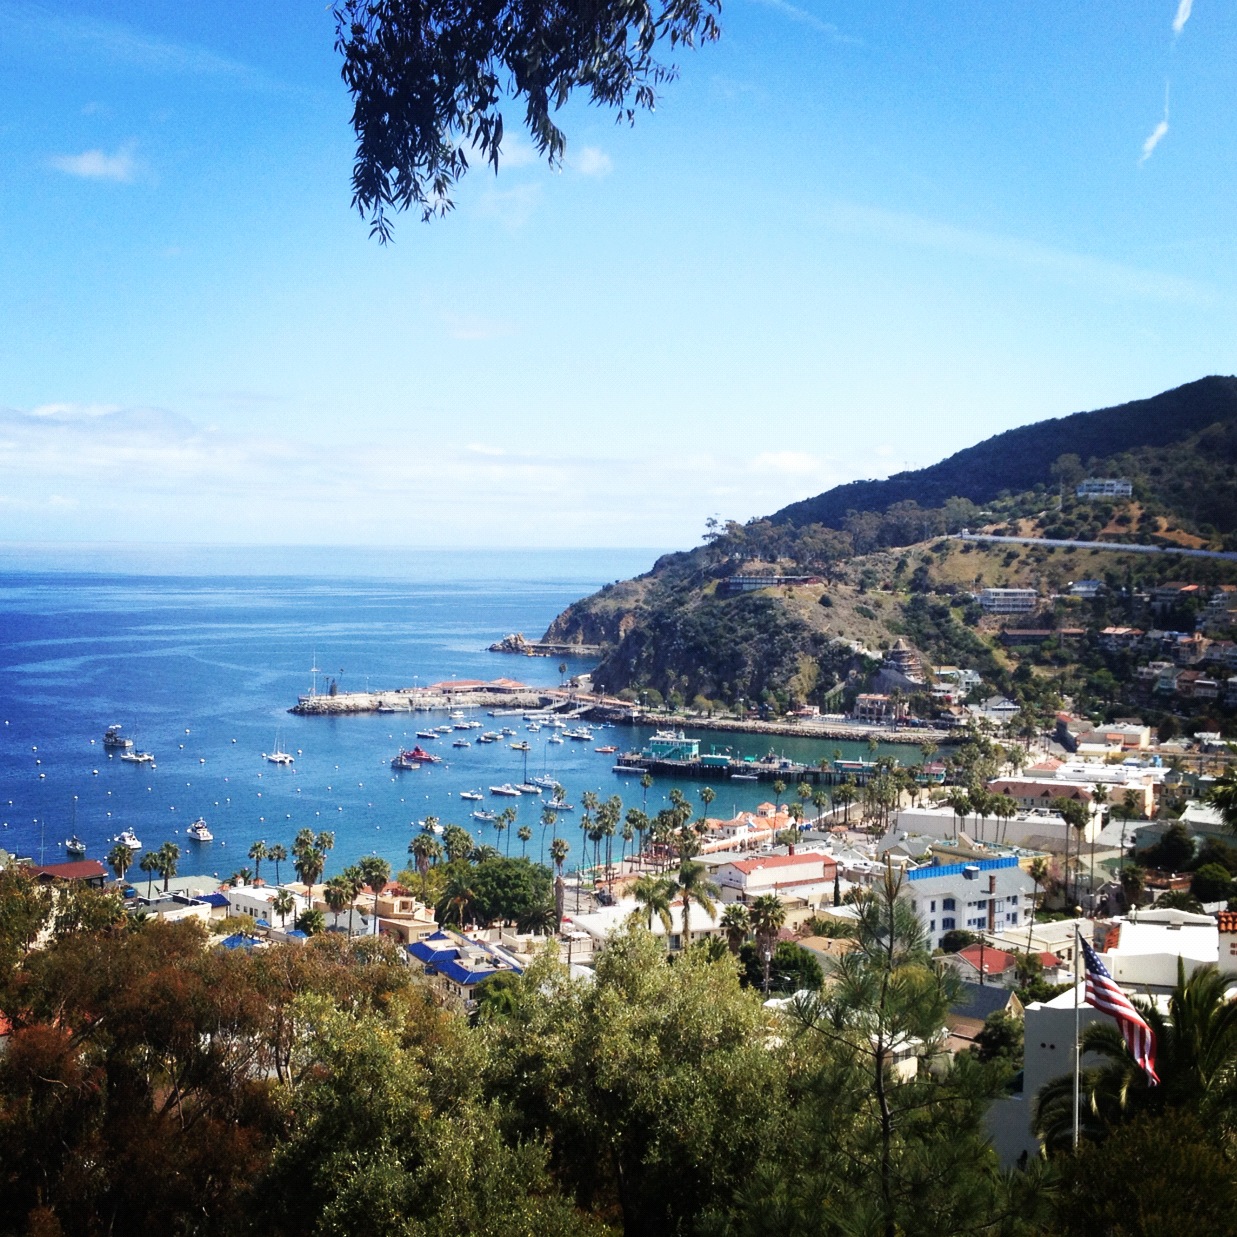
255,901
1008,600
602,923
992,895
806,875
1104,487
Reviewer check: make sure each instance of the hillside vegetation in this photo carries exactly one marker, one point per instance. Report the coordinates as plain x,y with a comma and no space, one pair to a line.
885,563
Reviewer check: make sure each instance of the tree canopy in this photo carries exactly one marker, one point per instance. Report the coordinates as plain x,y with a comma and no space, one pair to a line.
429,79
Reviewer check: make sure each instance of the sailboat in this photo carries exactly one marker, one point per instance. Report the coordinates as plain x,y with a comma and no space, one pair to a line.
278,757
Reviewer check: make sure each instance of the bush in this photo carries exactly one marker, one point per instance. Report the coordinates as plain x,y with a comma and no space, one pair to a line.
1212,883
956,939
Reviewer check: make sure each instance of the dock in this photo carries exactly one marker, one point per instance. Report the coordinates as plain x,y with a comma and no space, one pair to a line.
766,770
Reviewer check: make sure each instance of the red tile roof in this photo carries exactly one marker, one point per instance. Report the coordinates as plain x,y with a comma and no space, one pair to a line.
79,870
747,866
1227,921
995,961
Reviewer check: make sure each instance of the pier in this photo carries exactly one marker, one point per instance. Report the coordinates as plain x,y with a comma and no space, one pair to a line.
764,770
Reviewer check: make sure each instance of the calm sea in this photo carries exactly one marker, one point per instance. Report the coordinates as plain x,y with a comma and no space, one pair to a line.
198,653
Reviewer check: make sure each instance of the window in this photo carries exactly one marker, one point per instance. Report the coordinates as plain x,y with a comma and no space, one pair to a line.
1012,917
931,925
947,904
1012,900
933,906
948,925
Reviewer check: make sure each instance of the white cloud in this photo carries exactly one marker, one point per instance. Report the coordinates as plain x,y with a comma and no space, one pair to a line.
1099,275
591,161
73,412
98,165
511,207
43,29
1184,8
1156,136
805,18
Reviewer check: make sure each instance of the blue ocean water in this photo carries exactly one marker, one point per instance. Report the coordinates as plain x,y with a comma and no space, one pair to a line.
200,668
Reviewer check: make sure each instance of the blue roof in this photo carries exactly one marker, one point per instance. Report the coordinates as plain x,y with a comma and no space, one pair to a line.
237,941
304,936
215,899
956,869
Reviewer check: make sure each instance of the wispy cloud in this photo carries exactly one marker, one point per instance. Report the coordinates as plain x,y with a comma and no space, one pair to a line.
1184,9
511,207
124,45
1099,275
1157,135
98,164
591,161
806,18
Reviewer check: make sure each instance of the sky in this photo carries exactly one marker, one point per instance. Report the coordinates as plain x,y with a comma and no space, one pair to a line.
851,239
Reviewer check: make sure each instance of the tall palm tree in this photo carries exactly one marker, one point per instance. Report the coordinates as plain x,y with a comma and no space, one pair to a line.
768,916
525,834
457,843
500,823
258,852
120,859
694,885
283,903
559,848
779,789
324,844
150,865
645,782
169,854
375,872
351,876
736,923
1223,796
653,896
1195,1058
549,820
1038,872
820,797
277,854
457,899
337,893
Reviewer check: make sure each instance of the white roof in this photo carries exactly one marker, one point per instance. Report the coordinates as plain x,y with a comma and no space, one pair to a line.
606,920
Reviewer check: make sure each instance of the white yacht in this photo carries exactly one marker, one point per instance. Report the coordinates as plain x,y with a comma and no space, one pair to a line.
505,789
471,794
130,840
199,832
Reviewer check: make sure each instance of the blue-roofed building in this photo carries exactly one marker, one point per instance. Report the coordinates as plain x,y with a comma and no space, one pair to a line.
456,965
241,940
992,895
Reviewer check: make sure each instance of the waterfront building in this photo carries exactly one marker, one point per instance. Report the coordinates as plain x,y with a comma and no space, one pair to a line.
807,875
671,745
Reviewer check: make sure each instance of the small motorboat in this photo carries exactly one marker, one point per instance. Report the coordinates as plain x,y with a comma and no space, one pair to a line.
75,847
505,789
471,794
199,832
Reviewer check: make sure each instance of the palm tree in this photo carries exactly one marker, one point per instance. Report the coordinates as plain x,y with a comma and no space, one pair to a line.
645,782
375,872
736,923
558,853
820,797
846,794
351,877
1196,1048
779,789
425,849
524,833
768,916
549,820
1038,872
169,853
149,865
324,844
258,852
283,903
120,859
500,823
694,886
457,898
457,843
277,854
337,894
653,896
707,795
1223,795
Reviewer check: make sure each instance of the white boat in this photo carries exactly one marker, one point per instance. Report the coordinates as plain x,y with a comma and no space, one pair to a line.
278,756
505,789
75,846
534,727
455,715
427,734
527,788
485,816
544,780
462,726
520,747
558,805
583,735
443,729
130,840
508,730
199,832
405,760
472,794
461,743
555,738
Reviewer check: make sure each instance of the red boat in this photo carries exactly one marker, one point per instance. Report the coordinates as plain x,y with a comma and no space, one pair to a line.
419,753
606,750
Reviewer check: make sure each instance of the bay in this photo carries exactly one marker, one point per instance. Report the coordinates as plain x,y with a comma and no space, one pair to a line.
198,652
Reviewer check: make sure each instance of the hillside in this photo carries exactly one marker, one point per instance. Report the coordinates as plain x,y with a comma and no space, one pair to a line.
1022,458
890,568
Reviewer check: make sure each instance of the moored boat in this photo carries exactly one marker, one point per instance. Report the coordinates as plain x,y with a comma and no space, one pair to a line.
199,832
505,789
114,739
129,840
75,846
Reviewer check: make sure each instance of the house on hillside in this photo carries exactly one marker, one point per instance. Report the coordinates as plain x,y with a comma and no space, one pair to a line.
992,895
806,875
79,872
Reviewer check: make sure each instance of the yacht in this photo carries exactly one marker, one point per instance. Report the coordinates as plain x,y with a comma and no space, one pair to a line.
555,738
427,734
505,789
484,816
198,831
443,729
522,746
558,805
534,727
75,847
508,730
527,788
138,758
461,743
114,739
405,760
583,735
129,840
544,780
471,794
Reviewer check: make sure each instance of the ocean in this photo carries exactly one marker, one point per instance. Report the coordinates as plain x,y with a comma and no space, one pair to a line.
198,653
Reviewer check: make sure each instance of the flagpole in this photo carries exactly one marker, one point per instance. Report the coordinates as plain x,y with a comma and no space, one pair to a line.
1077,1043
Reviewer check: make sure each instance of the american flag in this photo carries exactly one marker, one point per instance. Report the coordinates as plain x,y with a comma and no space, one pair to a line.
1103,993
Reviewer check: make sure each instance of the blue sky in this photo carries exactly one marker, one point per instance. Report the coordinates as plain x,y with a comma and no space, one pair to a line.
852,239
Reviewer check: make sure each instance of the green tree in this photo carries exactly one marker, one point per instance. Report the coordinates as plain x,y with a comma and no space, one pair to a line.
375,872
768,915
277,854
149,863
169,856
694,885
283,903
338,894
525,834
258,852
559,849
654,896
120,859
311,921
736,923
457,843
